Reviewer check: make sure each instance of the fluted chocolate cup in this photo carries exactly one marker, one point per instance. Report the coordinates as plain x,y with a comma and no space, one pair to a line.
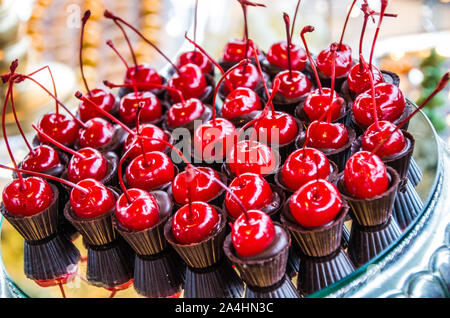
371,211
151,240
260,272
319,241
282,289
204,253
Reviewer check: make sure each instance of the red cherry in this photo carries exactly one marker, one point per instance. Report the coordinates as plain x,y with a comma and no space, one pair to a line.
251,236
365,175
143,74
205,189
97,202
150,171
140,213
197,58
304,165
252,190
33,196
315,204
252,157
189,80
102,99
40,159
145,130
214,134
293,87
277,124
372,137
317,104
194,226
389,100
244,76
278,55
343,60
358,82
322,135
150,104
240,102
89,164
98,132
180,114
59,127
235,51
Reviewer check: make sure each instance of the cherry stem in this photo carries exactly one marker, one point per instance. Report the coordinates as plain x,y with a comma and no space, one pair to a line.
308,29
333,80
293,21
345,24
108,14
127,39
53,83
111,45
365,9
61,288
84,20
58,144
372,87
384,4
195,26
236,136
216,90
113,293
138,131
17,120
190,179
120,175
316,162
287,23
260,72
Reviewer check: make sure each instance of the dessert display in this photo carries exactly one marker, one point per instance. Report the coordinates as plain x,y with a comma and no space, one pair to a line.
284,148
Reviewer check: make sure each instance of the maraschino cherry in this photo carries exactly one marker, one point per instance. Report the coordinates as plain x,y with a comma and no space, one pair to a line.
240,102
253,157
150,104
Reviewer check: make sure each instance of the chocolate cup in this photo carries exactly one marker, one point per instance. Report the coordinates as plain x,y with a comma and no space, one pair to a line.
272,209
260,272
288,192
96,231
288,105
206,116
371,211
293,263
317,273
51,258
343,118
400,162
205,98
414,173
159,275
319,241
367,242
202,254
110,265
338,156
217,281
115,145
359,128
283,289
37,227
407,206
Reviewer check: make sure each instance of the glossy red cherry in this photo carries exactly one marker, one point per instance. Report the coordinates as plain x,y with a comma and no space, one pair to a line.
140,213
142,74
365,175
293,87
244,76
253,235
304,165
204,187
389,100
278,55
214,138
240,102
252,190
150,171
190,80
145,130
322,135
147,101
40,159
316,203
197,58
317,104
252,156
276,124
359,82
180,114
98,201
343,60
59,127
97,133
193,226
33,196
102,99
89,164
374,136
235,51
